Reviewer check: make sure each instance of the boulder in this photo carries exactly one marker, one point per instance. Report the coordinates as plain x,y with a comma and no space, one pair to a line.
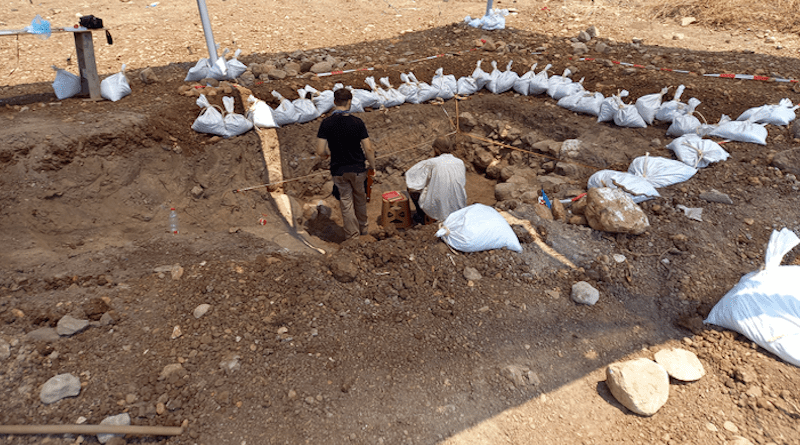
641,385
548,146
584,36
482,158
681,364
585,293
543,212
321,67
613,210
60,387
506,190
788,161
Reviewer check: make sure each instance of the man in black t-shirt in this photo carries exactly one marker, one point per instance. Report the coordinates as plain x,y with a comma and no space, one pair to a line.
344,138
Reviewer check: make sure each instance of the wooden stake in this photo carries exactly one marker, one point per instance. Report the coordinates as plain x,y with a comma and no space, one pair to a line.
136,430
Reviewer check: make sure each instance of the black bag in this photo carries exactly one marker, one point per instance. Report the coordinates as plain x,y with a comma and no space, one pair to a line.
91,22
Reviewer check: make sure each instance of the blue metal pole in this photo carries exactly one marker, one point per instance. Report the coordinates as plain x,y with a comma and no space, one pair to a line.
489,6
212,47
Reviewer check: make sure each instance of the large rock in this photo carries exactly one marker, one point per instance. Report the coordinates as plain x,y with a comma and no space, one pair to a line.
788,161
585,293
60,387
322,67
344,270
119,419
506,190
43,334
482,158
612,210
681,364
69,325
641,385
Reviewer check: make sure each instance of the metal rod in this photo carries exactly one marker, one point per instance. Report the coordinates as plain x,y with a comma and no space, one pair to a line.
212,47
136,430
489,6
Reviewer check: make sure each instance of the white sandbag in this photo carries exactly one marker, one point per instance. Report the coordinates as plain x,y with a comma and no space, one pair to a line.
495,19
697,152
610,106
649,104
522,84
741,131
235,124
210,119
674,108
219,69
540,82
566,89
259,113
502,81
628,116
555,83
481,77
322,100
764,306
199,71
393,97
305,108
425,92
683,124
466,86
582,102
115,86
366,99
442,181
66,84
477,228
370,81
781,114
408,89
661,172
446,86
284,113
235,67
638,188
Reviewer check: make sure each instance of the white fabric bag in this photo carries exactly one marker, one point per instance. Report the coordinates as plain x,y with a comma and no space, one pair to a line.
322,100
523,83
446,86
496,19
425,92
235,67
210,119
540,82
381,95
674,108
628,116
477,228
259,113
610,106
649,104
199,71
408,89
219,69
697,152
305,108
661,172
741,131
442,181
115,86
582,102
481,77
284,113
466,86
639,189
393,97
781,114
684,124
764,306
235,124
502,81
556,82
366,99
66,84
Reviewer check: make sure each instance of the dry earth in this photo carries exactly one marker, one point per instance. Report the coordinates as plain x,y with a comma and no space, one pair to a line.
382,340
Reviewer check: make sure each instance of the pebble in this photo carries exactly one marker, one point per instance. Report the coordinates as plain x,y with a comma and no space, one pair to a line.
739,440
119,419
169,370
681,364
711,427
60,387
201,310
584,293
717,196
5,349
69,325
730,426
160,408
472,274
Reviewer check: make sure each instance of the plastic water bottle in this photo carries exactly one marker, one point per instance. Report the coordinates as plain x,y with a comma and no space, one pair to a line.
173,221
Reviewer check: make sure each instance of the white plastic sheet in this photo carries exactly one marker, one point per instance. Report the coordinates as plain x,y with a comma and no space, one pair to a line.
781,114
445,85
495,19
583,102
502,81
442,181
649,104
259,113
697,152
640,189
741,131
115,86
764,305
661,172
477,228
66,84
284,113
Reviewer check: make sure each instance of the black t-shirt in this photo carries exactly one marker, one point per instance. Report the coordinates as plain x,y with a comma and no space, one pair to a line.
344,134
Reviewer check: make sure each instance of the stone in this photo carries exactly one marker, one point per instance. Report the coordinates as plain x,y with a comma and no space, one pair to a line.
579,48
246,79
277,74
548,146
584,36
201,310
592,31
730,426
472,274
506,190
796,129
69,325
681,364
43,334
678,36
230,364
119,419
482,158
584,293
292,66
686,21
170,369
177,272
717,196
641,385
602,48
148,76
788,161
5,349
306,66
106,319
467,121
117,440
552,183
739,440
744,375
579,207
613,210
515,375
543,212
344,271
321,67
578,220
197,192
558,210
60,387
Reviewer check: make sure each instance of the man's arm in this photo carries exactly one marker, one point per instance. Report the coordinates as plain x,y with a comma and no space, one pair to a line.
369,151
322,148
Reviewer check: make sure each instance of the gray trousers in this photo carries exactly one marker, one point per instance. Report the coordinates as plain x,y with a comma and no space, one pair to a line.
353,203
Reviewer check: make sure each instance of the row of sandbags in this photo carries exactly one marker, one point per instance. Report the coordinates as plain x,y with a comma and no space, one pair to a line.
113,87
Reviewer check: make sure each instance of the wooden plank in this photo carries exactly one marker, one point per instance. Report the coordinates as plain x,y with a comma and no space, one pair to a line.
136,430
90,81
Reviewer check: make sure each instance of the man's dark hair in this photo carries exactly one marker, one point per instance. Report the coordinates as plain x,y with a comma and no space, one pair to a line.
341,96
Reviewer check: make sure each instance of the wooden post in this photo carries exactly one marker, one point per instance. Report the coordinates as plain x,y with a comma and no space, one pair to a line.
90,81
136,430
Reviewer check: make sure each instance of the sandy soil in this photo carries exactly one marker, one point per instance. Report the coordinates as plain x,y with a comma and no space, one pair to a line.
382,340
